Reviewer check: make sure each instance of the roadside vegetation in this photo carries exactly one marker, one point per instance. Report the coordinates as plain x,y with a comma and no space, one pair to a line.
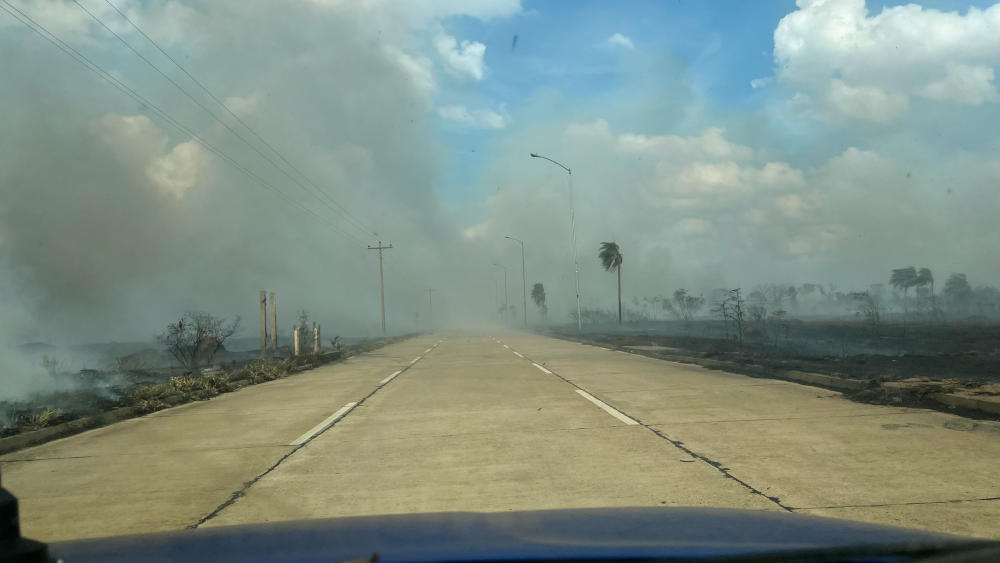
193,341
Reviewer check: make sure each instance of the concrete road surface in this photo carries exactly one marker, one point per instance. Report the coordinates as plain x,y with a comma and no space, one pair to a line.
511,422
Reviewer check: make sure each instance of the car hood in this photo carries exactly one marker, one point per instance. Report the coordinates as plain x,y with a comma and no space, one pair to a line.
618,533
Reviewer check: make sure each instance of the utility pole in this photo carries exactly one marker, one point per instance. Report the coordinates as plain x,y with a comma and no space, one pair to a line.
524,280
274,324
430,306
263,323
572,226
381,279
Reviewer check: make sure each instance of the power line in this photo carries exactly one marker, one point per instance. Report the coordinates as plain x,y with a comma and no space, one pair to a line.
317,194
109,78
216,99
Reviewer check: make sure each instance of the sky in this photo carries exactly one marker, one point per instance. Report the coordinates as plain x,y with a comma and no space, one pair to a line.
720,144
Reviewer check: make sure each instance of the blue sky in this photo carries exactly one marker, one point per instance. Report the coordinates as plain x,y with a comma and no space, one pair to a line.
562,46
714,50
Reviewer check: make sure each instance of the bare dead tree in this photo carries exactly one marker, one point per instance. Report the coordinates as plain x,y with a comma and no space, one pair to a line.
870,307
196,337
684,305
736,306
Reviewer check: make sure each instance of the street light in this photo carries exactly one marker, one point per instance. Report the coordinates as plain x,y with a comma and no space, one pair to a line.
506,295
524,280
572,226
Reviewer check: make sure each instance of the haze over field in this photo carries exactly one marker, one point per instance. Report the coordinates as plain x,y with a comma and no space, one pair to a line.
819,142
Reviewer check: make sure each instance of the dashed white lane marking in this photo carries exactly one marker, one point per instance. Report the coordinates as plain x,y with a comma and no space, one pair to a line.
507,347
541,368
428,350
388,379
323,425
604,406
415,360
518,354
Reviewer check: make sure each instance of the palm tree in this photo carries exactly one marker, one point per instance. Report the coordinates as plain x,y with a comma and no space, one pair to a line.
925,277
611,260
904,278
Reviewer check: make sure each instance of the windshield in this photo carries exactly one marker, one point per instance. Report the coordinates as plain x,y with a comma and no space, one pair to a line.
266,262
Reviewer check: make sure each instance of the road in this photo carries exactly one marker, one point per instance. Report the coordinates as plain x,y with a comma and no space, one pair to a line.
510,422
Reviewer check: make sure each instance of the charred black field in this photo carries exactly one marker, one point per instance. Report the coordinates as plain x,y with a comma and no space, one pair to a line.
965,350
915,359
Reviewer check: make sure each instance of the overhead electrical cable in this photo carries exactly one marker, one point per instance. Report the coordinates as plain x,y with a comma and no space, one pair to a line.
315,192
222,104
73,53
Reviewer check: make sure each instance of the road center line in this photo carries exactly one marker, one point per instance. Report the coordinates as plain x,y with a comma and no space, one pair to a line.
541,368
604,406
427,350
518,354
507,347
415,360
323,425
388,379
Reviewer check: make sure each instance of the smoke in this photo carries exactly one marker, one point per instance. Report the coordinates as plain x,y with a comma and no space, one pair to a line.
113,223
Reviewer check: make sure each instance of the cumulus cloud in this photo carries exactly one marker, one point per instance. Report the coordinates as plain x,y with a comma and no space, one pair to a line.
761,82
965,84
847,63
480,119
619,40
711,143
178,171
461,59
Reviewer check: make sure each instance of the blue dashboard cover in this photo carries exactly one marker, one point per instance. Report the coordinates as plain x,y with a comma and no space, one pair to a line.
617,533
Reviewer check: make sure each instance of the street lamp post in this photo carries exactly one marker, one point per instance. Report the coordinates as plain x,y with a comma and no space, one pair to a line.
506,294
524,280
572,226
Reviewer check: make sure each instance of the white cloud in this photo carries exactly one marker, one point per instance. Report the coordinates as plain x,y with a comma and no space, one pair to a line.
866,102
847,63
710,144
707,183
178,171
619,40
780,174
136,139
463,59
130,138
964,84
481,118
761,82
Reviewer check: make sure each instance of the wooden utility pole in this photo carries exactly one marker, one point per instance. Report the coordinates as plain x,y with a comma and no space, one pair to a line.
263,323
274,324
296,339
381,279
315,338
